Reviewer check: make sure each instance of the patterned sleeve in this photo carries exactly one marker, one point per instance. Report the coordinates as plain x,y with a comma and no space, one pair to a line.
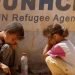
57,51
6,54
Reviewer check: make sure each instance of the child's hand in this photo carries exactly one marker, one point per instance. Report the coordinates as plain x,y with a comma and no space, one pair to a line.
5,68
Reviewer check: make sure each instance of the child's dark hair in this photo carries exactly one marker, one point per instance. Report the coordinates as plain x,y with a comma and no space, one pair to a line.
15,28
53,29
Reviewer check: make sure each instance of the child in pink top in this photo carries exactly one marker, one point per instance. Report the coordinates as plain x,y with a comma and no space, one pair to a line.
58,46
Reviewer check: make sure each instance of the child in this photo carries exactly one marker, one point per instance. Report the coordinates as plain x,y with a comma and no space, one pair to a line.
61,50
9,38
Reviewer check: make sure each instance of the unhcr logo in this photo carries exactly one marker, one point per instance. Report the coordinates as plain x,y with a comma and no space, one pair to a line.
32,4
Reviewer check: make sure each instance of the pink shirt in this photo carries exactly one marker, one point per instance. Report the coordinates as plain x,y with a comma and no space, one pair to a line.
65,49
56,51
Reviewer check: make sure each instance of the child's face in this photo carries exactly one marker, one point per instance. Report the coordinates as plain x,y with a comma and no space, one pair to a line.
51,41
54,39
11,39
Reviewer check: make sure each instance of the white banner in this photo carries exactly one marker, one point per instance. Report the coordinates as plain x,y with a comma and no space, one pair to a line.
37,14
